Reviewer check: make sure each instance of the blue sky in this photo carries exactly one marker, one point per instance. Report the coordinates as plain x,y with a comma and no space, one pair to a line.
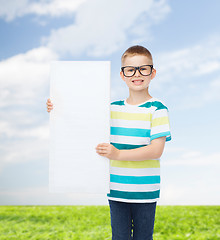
184,39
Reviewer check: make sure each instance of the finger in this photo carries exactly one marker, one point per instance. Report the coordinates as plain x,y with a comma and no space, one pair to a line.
105,144
102,154
49,109
102,151
102,145
101,148
99,145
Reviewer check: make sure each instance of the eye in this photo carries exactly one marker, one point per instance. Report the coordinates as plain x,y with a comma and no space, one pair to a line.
143,68
129,69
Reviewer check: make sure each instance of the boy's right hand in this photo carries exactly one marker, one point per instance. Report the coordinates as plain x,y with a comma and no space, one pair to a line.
49,105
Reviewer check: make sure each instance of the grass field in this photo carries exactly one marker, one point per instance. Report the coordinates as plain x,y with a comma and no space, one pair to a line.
93,222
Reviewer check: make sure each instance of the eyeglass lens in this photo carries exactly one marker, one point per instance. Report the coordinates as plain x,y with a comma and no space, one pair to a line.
144,70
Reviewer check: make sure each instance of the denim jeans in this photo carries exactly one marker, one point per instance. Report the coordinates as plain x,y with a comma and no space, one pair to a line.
132,220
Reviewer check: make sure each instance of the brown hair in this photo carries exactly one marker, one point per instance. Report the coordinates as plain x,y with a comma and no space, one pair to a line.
136,50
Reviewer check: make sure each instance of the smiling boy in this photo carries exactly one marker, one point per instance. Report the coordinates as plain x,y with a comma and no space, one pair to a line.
139,130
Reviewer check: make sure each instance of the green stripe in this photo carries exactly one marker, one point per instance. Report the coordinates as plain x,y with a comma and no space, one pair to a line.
134,179
118,103
121,146
131,116
132,132
135,164
134,195
168,138
156,104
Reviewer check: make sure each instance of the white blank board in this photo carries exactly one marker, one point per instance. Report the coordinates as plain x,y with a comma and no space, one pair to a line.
80,120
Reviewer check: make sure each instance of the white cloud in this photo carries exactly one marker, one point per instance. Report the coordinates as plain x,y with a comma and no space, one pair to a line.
12,9
195,61
190,75
11,129
102,27
24,150
24,76
189,177
202,193
187,157
23,80
41,196
212,92
55,7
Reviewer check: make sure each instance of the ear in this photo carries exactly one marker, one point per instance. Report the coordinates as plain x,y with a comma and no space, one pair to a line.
122,76
153,74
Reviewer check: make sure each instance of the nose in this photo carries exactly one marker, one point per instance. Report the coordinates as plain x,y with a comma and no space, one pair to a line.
137,73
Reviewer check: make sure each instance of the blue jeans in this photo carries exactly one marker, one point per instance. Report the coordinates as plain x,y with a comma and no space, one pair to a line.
132,220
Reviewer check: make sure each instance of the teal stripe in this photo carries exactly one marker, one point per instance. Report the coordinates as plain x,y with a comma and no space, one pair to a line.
134,195
163,134
134,179
156,104
118,103
132,132
168,138
121,146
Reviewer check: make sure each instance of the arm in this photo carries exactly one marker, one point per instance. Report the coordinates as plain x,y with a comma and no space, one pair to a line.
151,151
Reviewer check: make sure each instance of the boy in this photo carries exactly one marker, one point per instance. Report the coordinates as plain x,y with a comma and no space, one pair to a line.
139,129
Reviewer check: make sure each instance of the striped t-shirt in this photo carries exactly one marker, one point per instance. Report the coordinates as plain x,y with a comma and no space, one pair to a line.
134,126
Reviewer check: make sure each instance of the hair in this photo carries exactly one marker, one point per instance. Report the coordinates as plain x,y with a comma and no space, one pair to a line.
136,50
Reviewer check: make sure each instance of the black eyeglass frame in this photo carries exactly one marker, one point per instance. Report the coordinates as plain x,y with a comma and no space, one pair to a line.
137,68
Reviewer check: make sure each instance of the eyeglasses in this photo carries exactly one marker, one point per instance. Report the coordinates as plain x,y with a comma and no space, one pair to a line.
130,71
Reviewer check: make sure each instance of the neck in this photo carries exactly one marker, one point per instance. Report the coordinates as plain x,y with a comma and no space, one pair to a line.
136,97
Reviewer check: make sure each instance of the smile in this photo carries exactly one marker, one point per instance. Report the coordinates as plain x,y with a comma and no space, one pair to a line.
137,82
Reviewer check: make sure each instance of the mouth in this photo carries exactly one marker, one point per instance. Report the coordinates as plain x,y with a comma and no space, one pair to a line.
138,82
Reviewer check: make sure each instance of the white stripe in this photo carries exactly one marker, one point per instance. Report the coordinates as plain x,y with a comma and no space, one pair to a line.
130,123
160,113
134,171
127,109
160,129
133,200
130,140
134,187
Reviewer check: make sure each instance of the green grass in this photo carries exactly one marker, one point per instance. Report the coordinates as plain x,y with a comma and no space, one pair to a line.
93,222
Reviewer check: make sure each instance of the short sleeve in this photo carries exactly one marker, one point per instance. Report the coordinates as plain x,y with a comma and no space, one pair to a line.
160,125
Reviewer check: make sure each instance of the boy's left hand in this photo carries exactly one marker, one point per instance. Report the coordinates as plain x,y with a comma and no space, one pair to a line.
107,150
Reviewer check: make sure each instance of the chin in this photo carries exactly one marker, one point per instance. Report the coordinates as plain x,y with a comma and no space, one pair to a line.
138,89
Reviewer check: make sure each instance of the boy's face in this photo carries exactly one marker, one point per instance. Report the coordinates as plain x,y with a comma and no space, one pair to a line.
137,82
